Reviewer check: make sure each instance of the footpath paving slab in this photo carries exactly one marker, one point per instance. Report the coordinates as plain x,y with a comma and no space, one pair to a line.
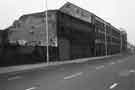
9,69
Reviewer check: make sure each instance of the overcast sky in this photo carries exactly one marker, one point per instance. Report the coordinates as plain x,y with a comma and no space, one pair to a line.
120,13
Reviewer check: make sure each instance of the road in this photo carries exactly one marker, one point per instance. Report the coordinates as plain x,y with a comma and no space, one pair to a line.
111,74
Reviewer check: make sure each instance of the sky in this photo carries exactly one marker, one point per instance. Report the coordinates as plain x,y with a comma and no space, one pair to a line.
120,13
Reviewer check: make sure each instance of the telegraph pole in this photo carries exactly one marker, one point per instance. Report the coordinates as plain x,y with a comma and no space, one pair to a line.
47,36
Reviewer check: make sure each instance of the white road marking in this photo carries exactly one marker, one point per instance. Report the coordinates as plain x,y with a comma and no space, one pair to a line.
100,67
113,85
31,88
112,63
74,75
120,61
126,73
14,78
132,71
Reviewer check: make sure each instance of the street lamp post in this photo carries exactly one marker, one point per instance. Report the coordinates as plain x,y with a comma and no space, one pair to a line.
47,36
121,42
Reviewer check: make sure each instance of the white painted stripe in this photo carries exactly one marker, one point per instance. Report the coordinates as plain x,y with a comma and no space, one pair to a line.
120,61
74,75
14,78
100,67
112,63
113,85
132,71
31,88
62,68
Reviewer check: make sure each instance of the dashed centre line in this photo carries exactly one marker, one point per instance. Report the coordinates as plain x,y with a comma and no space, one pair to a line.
112,63
31,88
14,78
113,85
120,61
74,75
100,67
132,71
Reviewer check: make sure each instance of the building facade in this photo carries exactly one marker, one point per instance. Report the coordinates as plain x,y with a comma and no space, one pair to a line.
72,33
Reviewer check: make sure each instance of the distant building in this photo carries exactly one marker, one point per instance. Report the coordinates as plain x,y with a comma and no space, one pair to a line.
131,48
123,40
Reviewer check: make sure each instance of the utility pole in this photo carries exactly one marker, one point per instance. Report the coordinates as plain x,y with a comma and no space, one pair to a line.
47,36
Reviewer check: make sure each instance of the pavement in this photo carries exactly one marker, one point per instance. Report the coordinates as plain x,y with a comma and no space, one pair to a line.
110,74
18,68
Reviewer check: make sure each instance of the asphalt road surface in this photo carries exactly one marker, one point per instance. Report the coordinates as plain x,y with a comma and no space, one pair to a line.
111,74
